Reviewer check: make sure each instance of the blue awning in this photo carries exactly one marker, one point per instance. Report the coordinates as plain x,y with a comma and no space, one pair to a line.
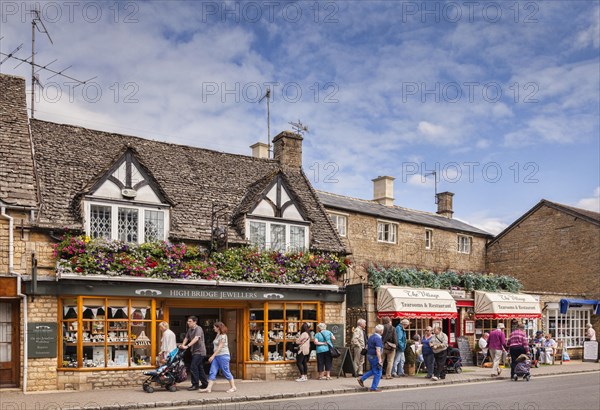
566,303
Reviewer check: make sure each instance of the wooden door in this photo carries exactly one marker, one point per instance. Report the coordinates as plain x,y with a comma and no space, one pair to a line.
9,343
235,340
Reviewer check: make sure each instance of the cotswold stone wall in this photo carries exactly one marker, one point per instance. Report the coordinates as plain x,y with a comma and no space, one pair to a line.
41,372
409,249
550,251
100,379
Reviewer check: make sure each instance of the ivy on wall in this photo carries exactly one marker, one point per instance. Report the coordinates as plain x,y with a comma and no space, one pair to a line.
422,278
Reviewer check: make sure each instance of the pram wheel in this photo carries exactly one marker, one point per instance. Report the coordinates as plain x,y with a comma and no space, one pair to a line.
528,377
515,377
172,388
149,389
458,370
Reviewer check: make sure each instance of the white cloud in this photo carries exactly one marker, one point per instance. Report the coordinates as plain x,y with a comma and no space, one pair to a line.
591,203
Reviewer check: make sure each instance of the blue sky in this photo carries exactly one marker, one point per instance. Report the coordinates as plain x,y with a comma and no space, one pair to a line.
500,98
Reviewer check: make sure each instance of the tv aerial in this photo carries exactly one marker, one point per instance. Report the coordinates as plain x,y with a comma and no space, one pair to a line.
268,97
435,181
299,127
38,24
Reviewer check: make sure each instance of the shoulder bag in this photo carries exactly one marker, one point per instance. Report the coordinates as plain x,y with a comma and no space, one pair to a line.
332,349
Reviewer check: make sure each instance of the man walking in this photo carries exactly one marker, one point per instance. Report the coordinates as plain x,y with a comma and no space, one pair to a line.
398,367
517,345
194,338
496,343
358,343
439,345
389,345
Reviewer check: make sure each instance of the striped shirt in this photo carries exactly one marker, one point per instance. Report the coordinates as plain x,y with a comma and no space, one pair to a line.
518,338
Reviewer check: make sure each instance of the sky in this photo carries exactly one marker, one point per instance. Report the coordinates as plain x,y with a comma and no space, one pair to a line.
501,99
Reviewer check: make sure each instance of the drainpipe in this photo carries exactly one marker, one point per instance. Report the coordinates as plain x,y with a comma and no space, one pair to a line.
11,271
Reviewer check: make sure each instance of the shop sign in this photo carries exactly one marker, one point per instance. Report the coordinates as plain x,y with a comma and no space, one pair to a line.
455,293
41,339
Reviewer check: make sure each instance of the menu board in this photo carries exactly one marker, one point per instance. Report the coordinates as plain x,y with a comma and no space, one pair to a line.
590,351
466,354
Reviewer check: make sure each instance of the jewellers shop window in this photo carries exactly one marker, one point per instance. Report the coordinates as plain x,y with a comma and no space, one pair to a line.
113,333
274,327
570,327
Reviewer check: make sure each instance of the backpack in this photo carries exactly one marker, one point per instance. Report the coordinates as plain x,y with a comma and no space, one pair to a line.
180,372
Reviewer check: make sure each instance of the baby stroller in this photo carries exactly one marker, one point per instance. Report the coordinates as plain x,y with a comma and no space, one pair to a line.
522,368
171,372
453,361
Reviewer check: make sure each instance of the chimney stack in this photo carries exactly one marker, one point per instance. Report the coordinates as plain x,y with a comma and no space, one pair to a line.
444,203
260,150
383,190
287,149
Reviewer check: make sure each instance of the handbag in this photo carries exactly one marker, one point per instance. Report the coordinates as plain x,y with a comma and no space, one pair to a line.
334,352
364,351
390,346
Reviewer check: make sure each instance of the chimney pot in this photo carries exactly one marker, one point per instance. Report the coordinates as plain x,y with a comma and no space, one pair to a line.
444,203
260,150
383,190
287,149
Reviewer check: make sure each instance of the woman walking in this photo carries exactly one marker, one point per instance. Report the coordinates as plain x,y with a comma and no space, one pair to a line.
323,339
374,348
220,359
303,342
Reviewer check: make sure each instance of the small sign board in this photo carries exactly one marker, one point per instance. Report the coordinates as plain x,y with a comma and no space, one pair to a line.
42,339
590,351
466,354
343,364
339,333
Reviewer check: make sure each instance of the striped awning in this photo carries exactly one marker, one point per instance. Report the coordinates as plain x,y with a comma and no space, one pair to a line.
504,305
410,303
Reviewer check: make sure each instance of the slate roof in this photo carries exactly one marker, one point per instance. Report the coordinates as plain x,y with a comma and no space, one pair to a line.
396,213
17,181
70,158
589,216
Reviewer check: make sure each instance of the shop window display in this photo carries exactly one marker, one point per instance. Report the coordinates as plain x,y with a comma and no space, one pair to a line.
106,332
274,327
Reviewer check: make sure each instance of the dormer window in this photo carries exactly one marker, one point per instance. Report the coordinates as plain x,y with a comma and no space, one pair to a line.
277,221
126,205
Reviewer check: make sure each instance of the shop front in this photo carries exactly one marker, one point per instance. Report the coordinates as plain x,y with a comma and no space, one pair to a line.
9,332
492,308
111,324
424,307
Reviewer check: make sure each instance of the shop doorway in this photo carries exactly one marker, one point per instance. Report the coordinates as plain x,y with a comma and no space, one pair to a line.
9,344
206,319
452,329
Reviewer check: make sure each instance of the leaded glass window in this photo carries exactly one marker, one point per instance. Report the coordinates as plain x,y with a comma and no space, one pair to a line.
258,234
278,237
128,224
154,226
100,222
297,238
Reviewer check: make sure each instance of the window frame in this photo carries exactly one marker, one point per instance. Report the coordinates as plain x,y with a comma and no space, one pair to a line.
393,233
428,238
288,225
573,322
460,248
335,219
114,212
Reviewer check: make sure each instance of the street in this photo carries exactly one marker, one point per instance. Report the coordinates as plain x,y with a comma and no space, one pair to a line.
541,393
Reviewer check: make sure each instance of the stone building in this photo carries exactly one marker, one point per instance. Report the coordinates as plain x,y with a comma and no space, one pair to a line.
377,232
554,250
80,327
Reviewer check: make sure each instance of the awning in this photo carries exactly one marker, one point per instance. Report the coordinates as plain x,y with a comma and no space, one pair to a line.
565,304
411,303
489,305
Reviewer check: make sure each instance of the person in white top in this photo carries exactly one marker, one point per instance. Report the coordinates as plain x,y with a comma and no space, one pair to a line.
590,333
483,345
167,342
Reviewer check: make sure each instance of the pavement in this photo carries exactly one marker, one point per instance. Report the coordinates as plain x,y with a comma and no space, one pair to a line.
251,390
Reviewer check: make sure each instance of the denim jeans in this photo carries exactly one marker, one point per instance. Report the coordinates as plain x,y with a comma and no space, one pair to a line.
197,370
375,371
398,366
429,363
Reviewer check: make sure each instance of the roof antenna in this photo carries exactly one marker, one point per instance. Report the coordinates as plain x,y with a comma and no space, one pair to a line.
37,23
435,183
268,97
299,127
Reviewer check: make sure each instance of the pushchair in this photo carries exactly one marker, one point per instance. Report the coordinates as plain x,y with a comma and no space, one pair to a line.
171,372
453,361
522,368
